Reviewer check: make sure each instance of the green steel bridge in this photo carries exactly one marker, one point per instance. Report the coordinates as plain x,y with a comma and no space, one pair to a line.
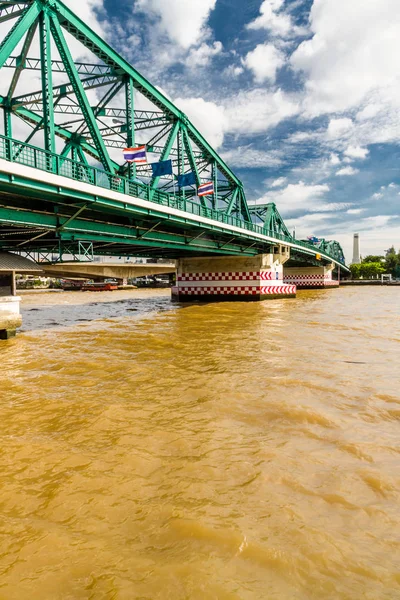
64,186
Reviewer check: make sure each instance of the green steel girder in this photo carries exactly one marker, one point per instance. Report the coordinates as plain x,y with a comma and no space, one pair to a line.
108,96
47,82
191,151
20,61
75,228
104,52
269,215
130,122
166,152
11,11
244,209
35,119
57,66
77,86
65,89
232,201
332,247
17,32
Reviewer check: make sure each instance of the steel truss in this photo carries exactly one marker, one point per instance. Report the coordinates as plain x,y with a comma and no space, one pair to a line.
63,108
95,130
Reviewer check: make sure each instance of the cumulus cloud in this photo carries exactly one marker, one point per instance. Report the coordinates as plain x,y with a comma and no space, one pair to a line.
201,56
356,152
233,70
352,53
248,112
264,61
347,171
208,117
258,110
337,128
273,18
297,197
278,182
183,21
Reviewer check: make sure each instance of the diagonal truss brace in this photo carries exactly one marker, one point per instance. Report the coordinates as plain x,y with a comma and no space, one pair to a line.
80,94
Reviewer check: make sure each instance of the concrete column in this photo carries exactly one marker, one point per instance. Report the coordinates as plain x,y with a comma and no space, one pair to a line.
232,278
10,317
309,277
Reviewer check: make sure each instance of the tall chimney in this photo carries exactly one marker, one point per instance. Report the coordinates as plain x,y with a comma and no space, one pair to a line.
356,249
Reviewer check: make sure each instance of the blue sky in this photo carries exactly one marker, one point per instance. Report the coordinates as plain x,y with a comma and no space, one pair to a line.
300,97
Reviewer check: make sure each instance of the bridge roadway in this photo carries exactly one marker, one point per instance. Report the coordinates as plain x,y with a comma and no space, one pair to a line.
63,209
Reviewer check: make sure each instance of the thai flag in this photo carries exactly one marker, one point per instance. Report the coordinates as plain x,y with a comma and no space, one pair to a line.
205,189
135,155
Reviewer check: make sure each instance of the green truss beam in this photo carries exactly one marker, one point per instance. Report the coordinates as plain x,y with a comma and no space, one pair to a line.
80,94
20,61
17,32
47,82
105,53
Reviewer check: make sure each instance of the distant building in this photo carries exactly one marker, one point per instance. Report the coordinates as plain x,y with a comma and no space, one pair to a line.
356,249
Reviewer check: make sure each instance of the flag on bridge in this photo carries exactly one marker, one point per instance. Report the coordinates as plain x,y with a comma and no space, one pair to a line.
313,239
205,189
135,155
187,179
162,167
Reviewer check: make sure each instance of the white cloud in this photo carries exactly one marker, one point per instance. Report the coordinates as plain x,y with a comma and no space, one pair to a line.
233,71
353,57
248,112
273,19
377,196
183,21
264,61
356,152
376,221
298,196
338,128
334,159
208,117
258,110
355,211
347,171
201,56
278,182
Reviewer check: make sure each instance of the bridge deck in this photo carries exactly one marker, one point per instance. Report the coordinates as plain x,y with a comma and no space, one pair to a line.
69,209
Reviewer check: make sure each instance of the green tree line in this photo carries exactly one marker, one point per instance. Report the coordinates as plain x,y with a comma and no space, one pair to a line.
373,266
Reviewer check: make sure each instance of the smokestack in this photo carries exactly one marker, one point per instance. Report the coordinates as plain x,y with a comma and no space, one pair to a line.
356,249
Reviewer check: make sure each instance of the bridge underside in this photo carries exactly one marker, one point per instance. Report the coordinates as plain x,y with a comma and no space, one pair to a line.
35,221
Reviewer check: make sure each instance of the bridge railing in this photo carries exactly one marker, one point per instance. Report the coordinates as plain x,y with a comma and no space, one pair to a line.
31,156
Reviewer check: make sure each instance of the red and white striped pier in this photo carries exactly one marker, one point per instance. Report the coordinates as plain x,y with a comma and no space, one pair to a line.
310,277
231,278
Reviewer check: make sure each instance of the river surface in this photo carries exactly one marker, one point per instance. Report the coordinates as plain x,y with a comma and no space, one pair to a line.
223,451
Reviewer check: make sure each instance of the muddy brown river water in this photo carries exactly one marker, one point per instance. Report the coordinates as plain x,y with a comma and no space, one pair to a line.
222,451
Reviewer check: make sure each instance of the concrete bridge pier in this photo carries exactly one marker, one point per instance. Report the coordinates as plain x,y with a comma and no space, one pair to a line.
10,317
311,277
233,278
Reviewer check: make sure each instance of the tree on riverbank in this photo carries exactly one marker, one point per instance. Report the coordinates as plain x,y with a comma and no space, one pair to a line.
373,266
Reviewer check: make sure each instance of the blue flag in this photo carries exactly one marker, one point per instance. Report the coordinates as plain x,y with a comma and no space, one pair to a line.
163,167
187,179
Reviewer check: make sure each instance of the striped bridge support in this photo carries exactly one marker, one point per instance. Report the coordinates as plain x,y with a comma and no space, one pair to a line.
230,285
320,280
